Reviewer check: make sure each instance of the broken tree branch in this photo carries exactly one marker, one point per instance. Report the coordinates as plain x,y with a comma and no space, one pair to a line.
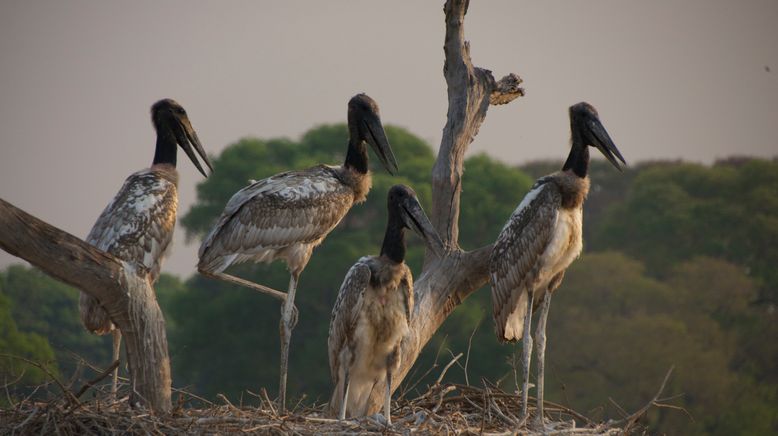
57,253
126,295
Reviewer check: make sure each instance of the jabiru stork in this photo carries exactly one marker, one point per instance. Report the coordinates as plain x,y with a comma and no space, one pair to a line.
285,216
540,240
137,225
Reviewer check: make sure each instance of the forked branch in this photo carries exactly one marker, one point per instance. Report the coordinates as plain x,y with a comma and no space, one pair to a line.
446,282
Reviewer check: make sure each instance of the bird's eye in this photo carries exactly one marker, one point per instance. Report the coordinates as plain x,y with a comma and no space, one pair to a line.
180,111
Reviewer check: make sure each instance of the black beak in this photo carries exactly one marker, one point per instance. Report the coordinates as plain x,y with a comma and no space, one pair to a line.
187,139
375,136
415,219
596,136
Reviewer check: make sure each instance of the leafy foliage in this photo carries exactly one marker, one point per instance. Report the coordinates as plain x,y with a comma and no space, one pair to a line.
14,342
488,185
728,211
49,308
609,304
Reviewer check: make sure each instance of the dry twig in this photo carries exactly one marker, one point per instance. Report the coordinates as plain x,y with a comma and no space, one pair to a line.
632,419
97,379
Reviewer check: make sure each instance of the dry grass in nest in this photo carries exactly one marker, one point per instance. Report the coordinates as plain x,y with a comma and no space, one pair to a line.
442,409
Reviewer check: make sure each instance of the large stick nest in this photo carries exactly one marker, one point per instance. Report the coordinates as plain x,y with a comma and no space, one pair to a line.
443,409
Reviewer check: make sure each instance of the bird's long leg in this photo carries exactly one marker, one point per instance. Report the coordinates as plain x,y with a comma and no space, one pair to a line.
344,399
388,399
526,352
540,337
117,342
287,324
242,282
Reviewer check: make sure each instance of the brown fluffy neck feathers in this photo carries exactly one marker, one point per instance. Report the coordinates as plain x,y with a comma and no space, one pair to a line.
359,182
166,171
574,189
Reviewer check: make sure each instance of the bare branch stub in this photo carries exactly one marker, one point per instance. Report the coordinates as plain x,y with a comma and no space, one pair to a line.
506,90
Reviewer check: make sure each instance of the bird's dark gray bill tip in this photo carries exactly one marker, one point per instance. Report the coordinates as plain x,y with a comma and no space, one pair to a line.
609,150
612,153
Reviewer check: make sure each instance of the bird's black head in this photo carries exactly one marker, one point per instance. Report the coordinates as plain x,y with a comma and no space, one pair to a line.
173,127
404,207
587,130
364,123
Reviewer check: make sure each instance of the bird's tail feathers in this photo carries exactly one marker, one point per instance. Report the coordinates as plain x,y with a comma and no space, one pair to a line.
93,316
512,328
216,264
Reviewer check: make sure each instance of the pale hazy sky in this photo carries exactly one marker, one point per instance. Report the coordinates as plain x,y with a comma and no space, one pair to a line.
670,79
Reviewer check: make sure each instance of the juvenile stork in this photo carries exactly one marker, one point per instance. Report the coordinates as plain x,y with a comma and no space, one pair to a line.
137,225
373,309
287,215
540,240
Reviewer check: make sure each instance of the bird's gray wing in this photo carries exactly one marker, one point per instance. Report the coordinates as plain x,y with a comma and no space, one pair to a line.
137,227
292,207
345,313
514,261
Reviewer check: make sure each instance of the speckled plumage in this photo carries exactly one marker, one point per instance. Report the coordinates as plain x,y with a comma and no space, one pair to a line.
539,241
282,217
370,317
137,227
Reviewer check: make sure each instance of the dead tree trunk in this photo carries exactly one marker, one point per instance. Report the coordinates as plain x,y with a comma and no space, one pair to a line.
128,297
445,282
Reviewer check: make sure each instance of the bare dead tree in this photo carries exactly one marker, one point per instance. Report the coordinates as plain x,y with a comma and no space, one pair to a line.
126,294
445,282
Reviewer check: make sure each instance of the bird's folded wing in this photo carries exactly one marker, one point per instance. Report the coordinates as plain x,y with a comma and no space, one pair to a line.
345,313
288,208
407,288
514,261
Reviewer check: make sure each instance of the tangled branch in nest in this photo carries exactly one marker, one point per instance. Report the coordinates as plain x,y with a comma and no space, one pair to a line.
448,408
443,408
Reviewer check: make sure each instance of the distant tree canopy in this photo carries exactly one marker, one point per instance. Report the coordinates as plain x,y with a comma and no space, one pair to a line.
678,269
49,308
634,327
728,211
25,343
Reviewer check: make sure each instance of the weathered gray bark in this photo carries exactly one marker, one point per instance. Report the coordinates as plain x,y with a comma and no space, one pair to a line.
128,297
445,282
